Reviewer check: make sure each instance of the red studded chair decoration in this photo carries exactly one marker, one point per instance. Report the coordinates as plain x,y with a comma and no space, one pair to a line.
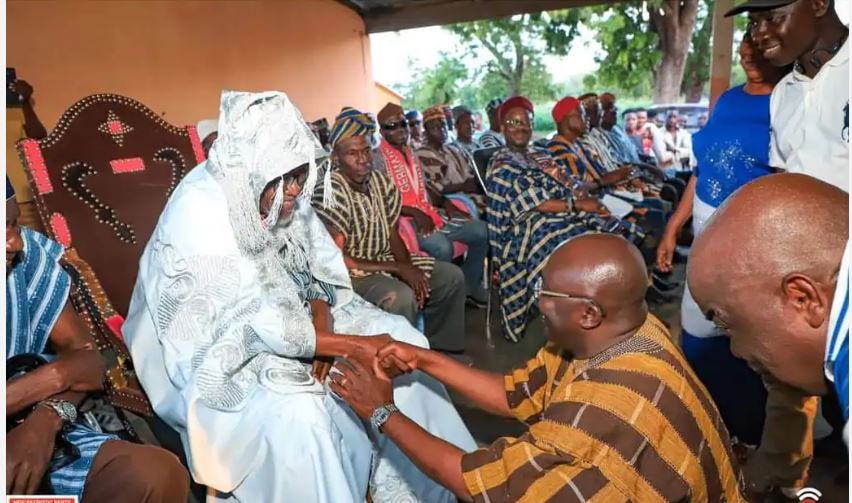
101,179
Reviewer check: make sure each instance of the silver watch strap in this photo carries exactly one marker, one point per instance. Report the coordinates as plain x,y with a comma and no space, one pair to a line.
66,410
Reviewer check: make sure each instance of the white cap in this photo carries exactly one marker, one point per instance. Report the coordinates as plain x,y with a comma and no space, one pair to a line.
207,127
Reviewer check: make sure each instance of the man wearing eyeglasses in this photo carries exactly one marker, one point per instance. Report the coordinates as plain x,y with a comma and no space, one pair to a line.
614,411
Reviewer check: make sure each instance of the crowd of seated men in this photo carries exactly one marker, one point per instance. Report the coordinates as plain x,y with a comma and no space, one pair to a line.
578,227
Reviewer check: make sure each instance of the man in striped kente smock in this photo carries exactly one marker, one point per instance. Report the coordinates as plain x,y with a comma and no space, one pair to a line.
783,296
615,414
362,218
41,321
530,213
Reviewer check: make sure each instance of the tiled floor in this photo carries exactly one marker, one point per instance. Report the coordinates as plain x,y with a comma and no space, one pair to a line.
499,355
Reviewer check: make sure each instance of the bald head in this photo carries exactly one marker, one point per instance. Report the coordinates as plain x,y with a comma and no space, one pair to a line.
604,267
780,224
765,269
593,293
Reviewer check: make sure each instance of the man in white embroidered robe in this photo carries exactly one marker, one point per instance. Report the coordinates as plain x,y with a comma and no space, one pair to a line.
241,301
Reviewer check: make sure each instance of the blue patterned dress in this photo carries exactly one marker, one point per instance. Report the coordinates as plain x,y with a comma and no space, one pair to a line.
732,150
36,292
521,237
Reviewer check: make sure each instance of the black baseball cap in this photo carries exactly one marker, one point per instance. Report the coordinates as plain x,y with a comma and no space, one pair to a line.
750,5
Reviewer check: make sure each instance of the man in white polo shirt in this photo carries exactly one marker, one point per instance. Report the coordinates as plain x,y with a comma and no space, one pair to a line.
810,106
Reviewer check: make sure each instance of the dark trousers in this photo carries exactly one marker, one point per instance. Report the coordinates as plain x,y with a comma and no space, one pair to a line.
443,312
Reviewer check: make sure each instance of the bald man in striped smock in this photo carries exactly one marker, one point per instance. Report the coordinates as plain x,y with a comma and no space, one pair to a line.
614,412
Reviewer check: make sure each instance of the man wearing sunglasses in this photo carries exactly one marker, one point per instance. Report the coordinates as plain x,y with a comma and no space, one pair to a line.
439,222
809,108
608,399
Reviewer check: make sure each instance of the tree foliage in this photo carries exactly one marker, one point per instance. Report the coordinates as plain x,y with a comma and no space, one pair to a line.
650,42
652,47
515,47
696,75
442,83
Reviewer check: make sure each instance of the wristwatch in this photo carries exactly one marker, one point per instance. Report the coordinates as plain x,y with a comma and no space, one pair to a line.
381,415
63,408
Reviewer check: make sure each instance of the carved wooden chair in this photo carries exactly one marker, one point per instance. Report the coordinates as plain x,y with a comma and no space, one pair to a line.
101,179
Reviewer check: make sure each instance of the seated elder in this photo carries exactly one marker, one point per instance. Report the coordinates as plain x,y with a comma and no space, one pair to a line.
438,222
449,169
613,409
529,214
40,320
362,219
242,299
463,118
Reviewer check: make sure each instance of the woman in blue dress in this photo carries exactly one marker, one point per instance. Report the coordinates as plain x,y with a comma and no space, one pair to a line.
732,150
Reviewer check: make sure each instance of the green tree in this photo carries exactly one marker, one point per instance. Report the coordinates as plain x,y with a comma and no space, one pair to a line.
645,41
442,83
697,71
516,45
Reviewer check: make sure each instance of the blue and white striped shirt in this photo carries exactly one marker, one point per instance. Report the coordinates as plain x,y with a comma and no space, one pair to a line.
36,292
837,344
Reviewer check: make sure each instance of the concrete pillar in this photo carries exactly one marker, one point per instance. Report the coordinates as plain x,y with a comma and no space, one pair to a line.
723,45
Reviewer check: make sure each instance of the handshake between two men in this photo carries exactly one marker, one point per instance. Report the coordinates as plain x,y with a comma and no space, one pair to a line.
363,380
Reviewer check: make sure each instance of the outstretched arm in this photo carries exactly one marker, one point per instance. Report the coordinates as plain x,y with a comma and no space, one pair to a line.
485,389
437,458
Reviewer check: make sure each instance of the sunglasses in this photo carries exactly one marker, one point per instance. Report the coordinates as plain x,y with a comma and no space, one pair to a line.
392,126
539,292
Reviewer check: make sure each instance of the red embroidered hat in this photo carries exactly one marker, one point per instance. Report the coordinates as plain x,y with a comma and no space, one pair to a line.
564,107
515,102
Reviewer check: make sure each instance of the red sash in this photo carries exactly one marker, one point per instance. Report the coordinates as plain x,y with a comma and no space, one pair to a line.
408,178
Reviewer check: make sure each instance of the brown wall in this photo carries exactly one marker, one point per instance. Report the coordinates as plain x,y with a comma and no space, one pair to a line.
176,56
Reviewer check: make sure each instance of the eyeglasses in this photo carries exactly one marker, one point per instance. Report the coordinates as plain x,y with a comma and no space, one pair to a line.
391,126
516,123
538,292
298,177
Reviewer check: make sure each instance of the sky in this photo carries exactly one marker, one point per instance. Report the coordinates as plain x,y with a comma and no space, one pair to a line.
391,51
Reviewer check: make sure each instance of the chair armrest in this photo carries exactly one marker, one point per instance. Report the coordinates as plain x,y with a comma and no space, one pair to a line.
93,307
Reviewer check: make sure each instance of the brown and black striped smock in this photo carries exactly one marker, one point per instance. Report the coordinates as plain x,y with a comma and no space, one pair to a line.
631,424
366,220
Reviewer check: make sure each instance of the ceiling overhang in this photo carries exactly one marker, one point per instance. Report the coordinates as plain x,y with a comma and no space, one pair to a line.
392,15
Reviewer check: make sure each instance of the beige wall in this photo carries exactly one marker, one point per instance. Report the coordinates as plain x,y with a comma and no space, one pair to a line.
176,56
384,95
